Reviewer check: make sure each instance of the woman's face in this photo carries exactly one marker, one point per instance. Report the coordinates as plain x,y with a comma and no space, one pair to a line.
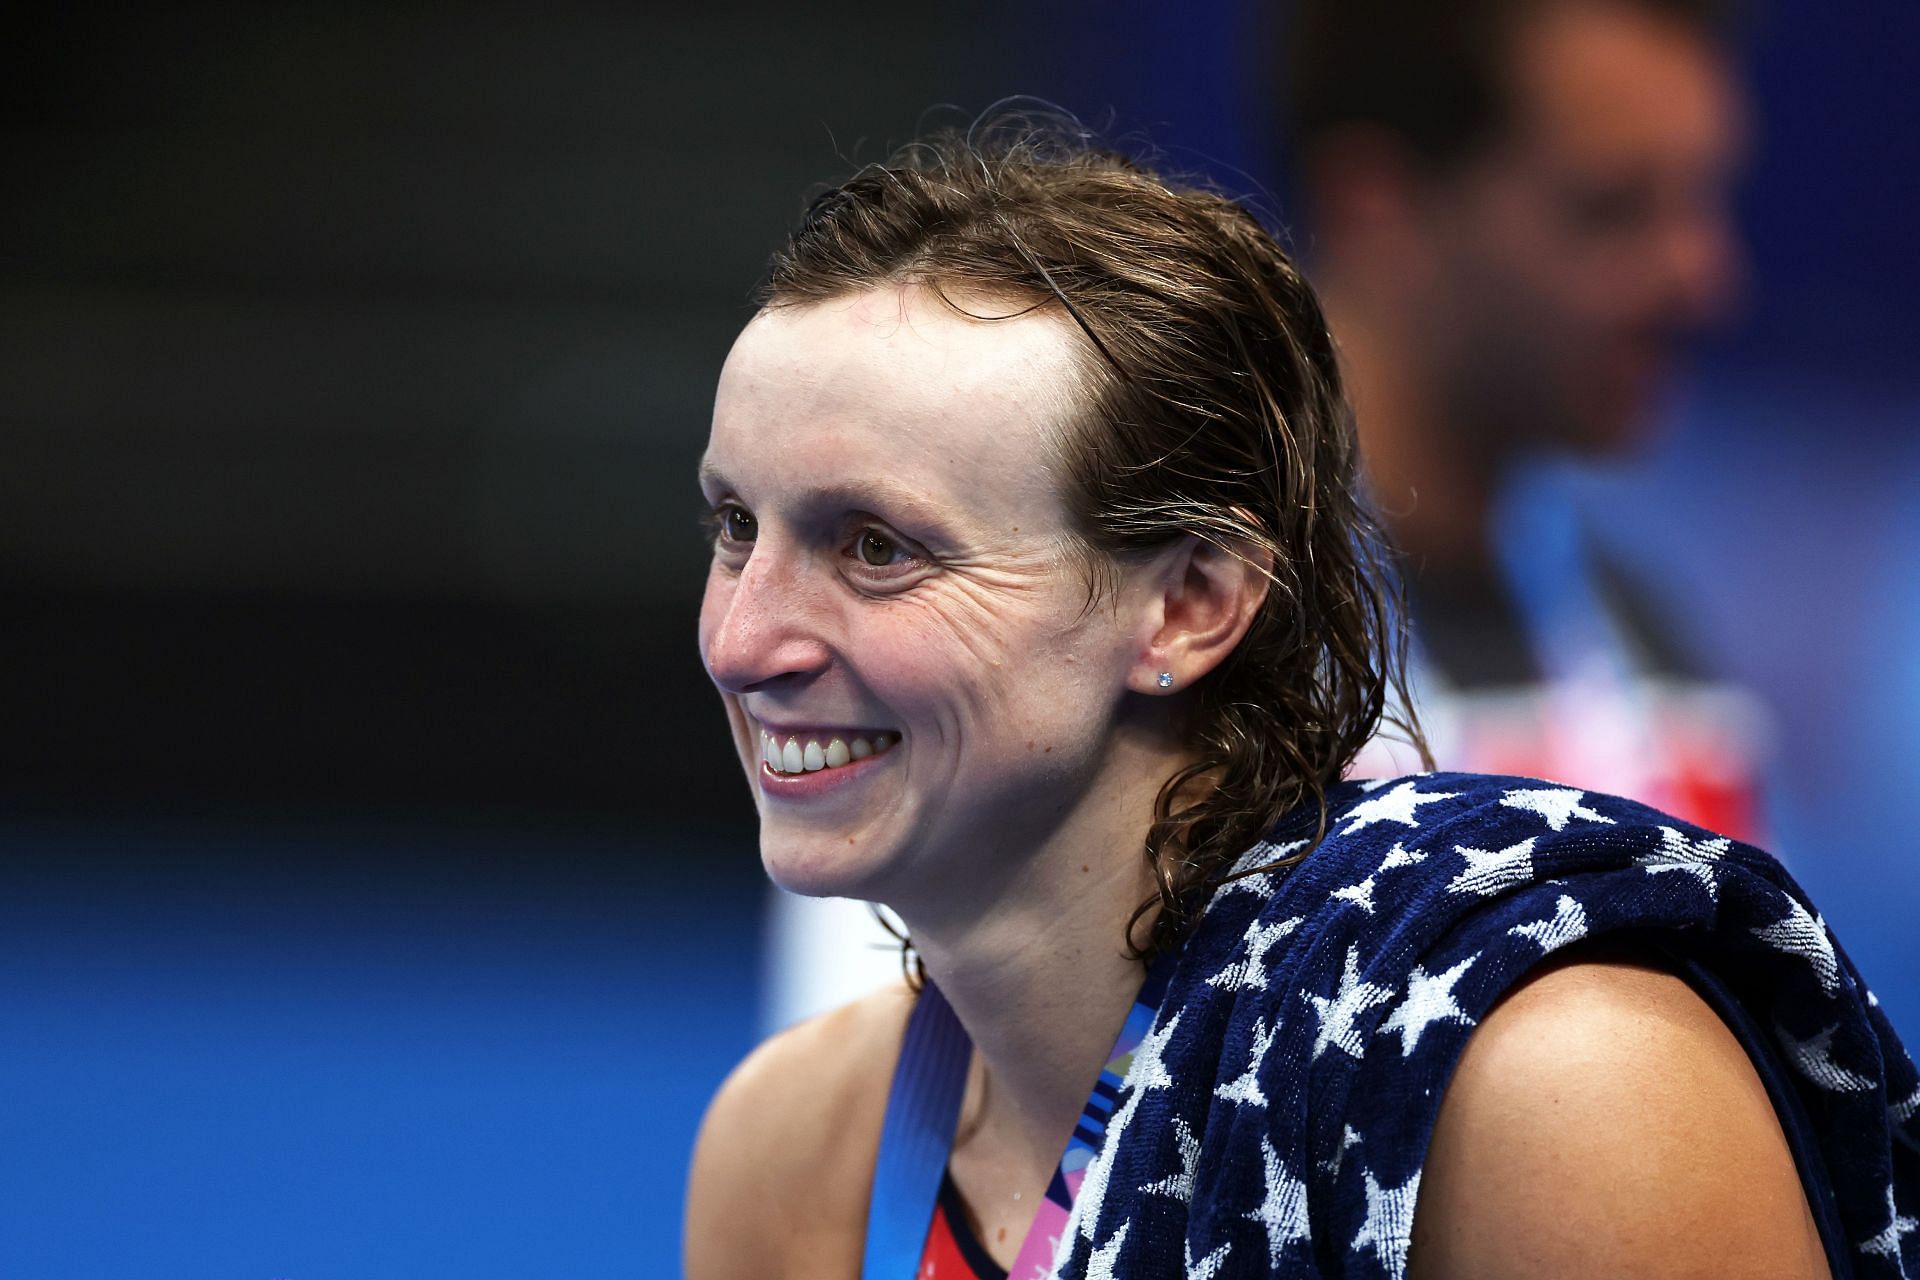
918,692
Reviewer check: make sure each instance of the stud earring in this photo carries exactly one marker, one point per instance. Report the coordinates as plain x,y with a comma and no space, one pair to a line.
1166,679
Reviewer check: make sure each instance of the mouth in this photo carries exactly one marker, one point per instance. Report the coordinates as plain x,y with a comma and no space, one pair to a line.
788,753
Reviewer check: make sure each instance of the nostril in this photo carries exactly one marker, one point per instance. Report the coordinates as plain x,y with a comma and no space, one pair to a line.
766,622
745,653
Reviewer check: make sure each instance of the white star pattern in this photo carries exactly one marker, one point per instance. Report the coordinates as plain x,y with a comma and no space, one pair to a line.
1814,1060
1401,856
1558,805
1399,805
1101,1265
1208,1267
1246,1087
1389,1225
1266,851
1360,895
1901,1112
1349,1139
1251,973
1887,1243
1179,1185
1283,1210
1490,871
1260,885
1338,1011
1806,936
1429,1000
1147,1073
1677,853
1569,924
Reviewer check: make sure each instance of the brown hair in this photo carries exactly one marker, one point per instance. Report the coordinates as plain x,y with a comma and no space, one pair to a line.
1215,410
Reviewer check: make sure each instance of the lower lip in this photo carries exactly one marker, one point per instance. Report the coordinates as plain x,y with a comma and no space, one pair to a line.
806,786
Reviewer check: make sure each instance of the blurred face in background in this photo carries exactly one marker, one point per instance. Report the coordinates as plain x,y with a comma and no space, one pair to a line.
1570,259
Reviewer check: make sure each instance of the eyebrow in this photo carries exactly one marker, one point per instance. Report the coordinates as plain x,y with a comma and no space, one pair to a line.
873,493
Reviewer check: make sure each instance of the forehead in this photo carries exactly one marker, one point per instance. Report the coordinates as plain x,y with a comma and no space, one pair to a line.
1612,81
896,385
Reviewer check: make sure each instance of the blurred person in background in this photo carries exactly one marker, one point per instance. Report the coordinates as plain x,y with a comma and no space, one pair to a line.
1519,214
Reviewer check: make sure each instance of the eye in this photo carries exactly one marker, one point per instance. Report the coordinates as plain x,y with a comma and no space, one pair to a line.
732,523
1613,209
877,549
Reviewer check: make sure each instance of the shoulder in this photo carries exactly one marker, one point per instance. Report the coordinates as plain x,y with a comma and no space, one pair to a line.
1469,839
1593,1127
787,1148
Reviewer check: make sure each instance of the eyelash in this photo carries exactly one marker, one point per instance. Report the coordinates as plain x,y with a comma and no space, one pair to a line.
715,522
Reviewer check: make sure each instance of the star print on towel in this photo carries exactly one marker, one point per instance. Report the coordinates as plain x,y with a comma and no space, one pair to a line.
1275,1122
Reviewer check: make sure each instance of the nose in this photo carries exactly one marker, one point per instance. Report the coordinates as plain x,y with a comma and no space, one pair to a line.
764,623
1704,264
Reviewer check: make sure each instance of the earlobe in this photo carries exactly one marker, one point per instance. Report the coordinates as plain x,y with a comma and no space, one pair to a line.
1209,596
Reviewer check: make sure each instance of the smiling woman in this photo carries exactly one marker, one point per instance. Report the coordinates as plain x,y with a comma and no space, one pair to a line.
893,574
1044,611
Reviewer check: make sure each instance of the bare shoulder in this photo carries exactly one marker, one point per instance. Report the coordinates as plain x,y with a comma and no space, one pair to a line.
786,1151
1604,1121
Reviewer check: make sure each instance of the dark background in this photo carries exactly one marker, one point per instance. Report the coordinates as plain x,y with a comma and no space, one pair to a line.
377,894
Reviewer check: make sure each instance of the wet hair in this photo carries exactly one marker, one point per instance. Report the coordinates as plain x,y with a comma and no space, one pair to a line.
1211,407
1432,74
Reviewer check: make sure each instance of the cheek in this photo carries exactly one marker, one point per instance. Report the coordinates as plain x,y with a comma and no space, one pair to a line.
1001,688
954,653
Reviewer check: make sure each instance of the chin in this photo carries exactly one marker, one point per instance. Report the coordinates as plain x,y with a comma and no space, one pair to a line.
1607,424
1610,440
823,865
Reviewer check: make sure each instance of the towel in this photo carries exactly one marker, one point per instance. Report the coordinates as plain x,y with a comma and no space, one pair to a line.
1275,1119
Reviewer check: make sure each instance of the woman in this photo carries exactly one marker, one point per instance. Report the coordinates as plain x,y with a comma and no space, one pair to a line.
1044,612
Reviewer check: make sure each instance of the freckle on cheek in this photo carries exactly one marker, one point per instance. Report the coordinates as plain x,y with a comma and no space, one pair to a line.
1084,868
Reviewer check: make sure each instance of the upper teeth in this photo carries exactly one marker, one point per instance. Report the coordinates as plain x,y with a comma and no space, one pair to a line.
810,754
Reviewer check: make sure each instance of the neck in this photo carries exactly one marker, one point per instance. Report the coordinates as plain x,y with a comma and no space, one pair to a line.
1433,484
1036,969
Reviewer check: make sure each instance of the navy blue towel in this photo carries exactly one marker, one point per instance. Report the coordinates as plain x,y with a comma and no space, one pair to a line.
1275,1120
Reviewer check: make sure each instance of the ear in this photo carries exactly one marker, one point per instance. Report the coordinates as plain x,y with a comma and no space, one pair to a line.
1205,597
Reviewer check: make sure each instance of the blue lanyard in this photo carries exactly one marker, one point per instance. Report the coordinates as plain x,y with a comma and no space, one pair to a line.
1538,541
923,1107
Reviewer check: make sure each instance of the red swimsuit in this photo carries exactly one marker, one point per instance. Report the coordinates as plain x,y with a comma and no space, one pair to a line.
952,1253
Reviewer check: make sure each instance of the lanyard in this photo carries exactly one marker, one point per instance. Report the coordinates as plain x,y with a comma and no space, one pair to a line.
923,1106
1598,722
